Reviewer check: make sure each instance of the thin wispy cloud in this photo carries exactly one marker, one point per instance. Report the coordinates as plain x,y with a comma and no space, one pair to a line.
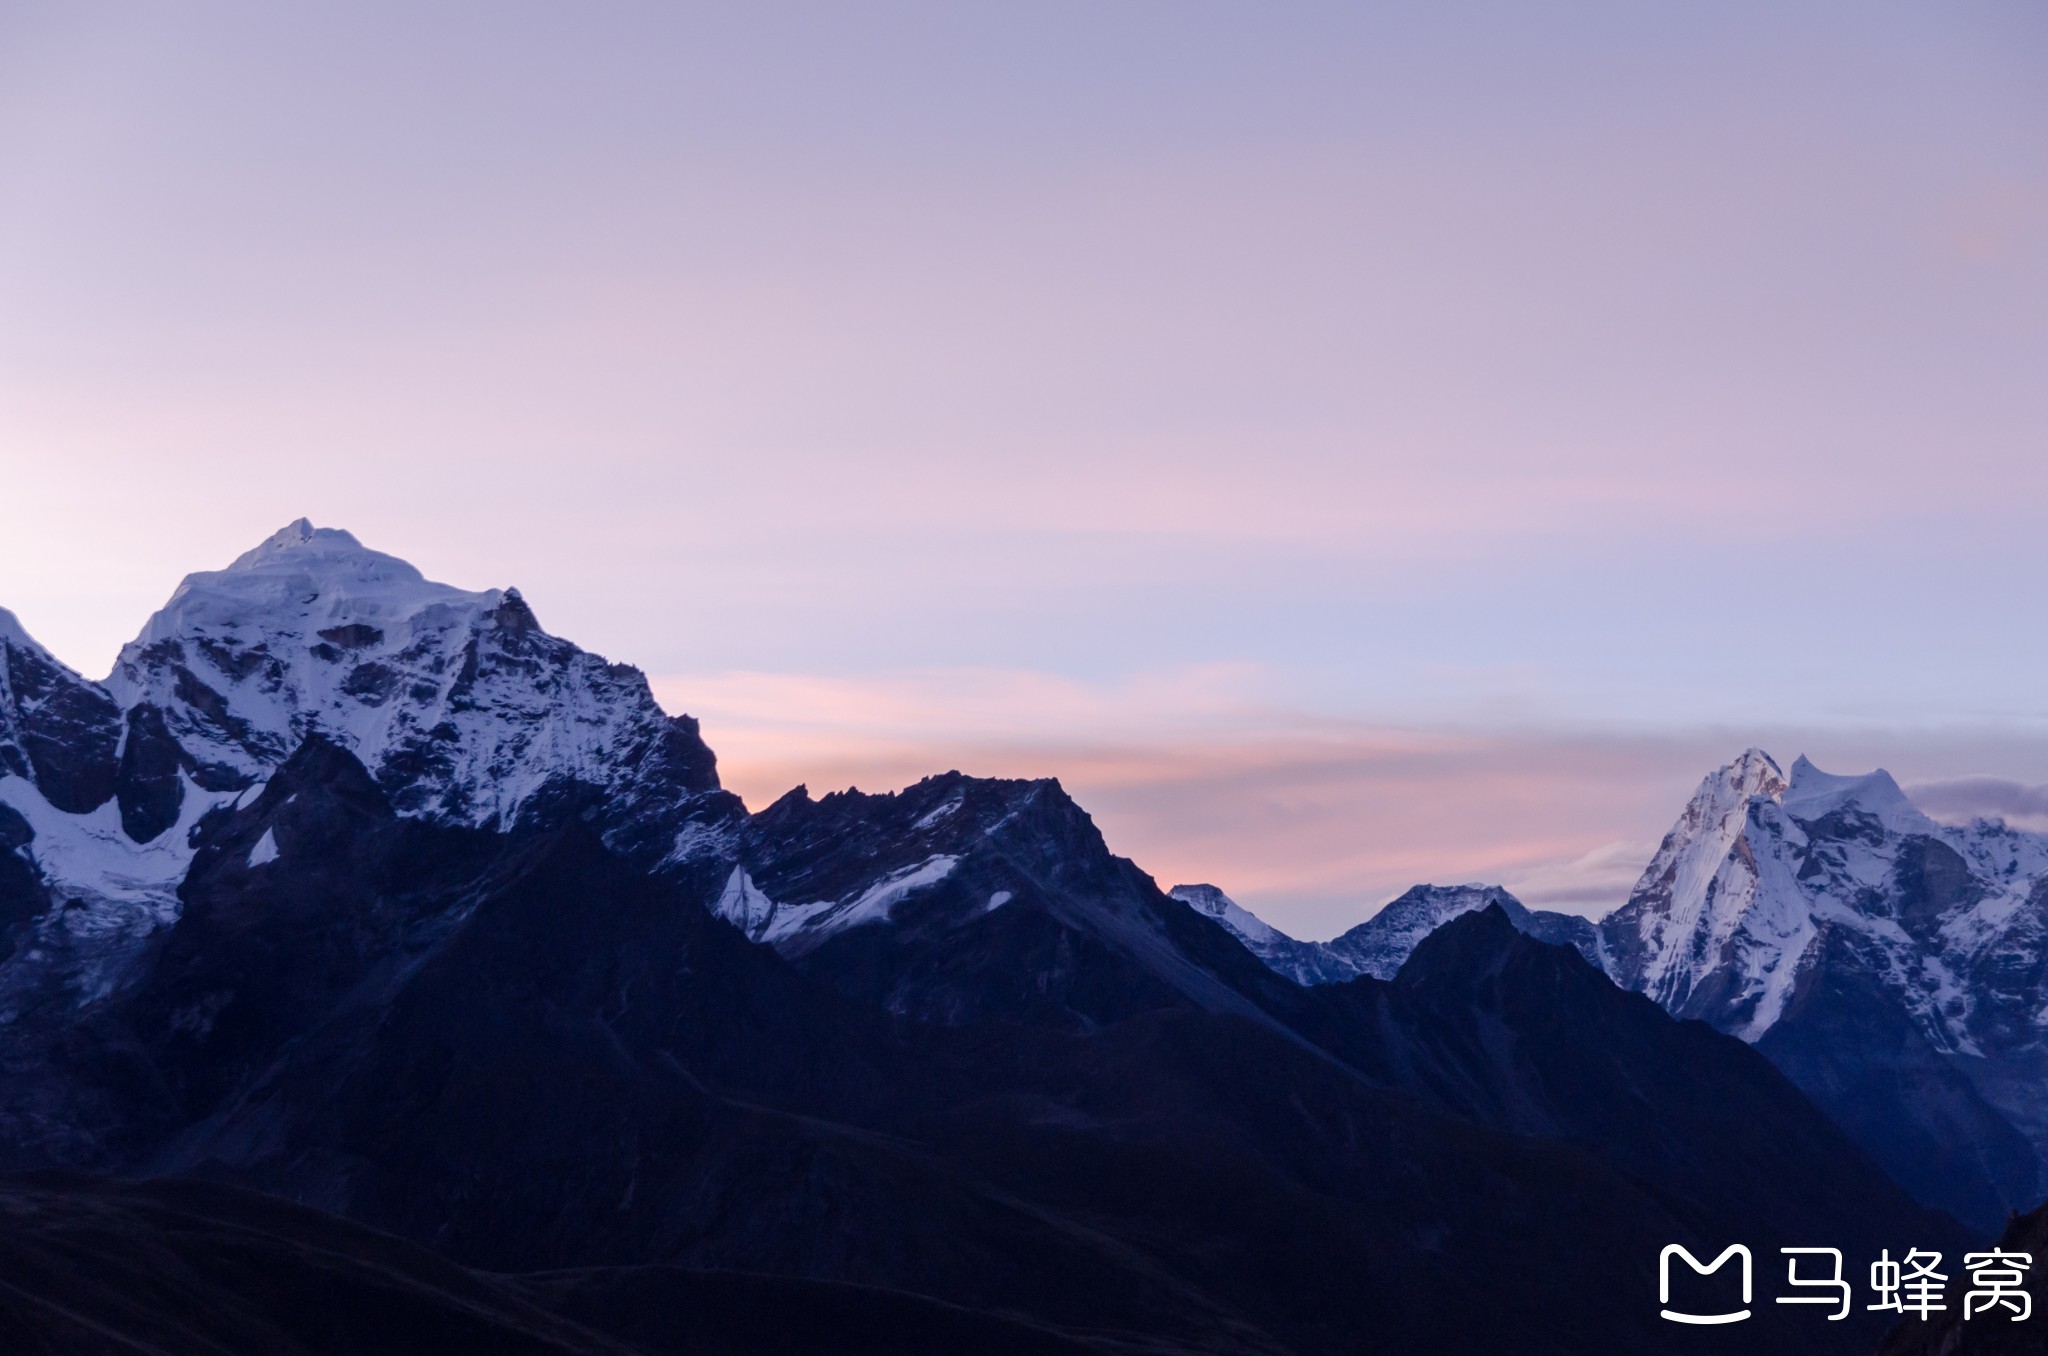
1962,799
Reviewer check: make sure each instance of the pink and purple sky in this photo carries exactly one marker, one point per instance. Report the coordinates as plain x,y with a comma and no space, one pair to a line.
1349,445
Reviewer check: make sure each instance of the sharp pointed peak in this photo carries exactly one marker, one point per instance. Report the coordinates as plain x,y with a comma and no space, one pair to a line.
1750,773
1464,950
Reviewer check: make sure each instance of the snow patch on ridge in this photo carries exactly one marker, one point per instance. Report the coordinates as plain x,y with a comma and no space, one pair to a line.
747,907
742,904
873,904
265,850
1213,903
108,893
1302,962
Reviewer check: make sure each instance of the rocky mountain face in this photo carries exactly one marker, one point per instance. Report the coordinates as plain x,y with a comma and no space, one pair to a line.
1000,898
1893,966
469,713
424,919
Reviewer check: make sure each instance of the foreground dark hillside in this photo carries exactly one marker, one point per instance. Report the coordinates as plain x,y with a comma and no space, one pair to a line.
93,1267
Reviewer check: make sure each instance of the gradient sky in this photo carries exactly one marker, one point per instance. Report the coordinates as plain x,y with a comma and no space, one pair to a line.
1350,445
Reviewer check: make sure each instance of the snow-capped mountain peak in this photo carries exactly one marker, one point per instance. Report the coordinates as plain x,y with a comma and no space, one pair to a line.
299,537
1720,921
298,582
458,702
1892,964
1381,945
1704,884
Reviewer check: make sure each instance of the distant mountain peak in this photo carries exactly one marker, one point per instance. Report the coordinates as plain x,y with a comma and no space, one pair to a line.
1382,943
1302,962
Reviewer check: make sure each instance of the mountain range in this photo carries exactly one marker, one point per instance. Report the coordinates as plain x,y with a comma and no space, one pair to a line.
1895,968
368,895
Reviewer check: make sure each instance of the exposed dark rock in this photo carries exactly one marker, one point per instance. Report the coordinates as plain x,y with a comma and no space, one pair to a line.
150,789
354,636
22,896
56,729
